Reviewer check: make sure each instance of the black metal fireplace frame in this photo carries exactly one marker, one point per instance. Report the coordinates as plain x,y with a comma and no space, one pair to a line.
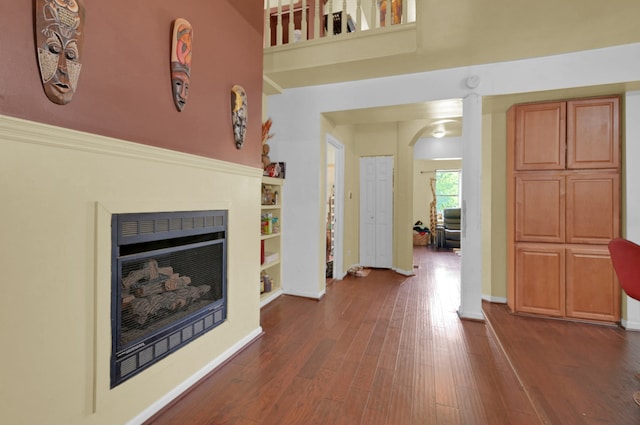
166,232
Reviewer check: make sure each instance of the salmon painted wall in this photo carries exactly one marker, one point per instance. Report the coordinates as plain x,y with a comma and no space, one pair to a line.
124,89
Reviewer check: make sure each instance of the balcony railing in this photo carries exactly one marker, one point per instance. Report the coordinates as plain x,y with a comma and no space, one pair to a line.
295,21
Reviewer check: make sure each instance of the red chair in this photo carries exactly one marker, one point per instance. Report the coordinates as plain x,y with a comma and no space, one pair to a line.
625,256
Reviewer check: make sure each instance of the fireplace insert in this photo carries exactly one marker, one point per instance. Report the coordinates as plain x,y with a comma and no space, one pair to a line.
168,285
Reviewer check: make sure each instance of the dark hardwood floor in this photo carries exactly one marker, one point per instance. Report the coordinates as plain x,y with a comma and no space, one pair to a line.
574,373
390,349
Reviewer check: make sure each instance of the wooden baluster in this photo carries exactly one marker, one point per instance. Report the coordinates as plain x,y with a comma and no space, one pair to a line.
267,24
279,25
359,15
292,25
317,20
343,17
304,20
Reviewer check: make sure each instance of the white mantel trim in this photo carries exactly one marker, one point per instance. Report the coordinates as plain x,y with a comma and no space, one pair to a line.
20,130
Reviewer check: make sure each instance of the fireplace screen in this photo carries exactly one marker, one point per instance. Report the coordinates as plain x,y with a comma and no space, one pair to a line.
168,285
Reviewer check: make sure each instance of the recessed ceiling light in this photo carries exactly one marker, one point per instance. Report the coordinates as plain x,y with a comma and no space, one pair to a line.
438,134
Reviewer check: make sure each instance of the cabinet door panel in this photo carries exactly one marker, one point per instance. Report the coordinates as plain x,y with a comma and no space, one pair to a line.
540,279
540,136
540,208
593,134
593,208
593,292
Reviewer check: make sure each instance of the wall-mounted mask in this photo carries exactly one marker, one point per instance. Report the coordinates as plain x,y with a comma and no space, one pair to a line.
59,40
181,45
239,114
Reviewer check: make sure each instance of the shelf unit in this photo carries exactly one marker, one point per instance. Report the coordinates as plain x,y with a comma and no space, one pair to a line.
271,239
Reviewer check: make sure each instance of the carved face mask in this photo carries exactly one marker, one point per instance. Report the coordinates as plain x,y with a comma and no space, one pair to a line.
239,114
59,39
181,45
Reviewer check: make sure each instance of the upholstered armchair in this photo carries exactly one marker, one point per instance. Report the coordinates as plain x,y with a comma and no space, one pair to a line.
452,226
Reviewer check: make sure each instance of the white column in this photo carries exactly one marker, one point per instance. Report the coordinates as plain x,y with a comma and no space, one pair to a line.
375,15
328,10
387,18
292,25
267,24
632,195
471,240
279,25
317,21
304,20
343,19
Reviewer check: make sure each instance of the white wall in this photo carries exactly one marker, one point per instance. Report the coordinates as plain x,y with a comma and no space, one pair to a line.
296,113
631,192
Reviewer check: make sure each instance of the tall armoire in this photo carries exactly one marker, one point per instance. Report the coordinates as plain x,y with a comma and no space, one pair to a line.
563,197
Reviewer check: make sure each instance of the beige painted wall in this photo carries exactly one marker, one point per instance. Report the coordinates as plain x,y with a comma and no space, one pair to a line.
59,189
379,139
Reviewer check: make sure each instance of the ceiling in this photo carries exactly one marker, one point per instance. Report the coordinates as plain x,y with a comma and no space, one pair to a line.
440,114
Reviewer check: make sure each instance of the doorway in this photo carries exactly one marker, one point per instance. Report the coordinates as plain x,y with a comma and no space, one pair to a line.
334,195
376,211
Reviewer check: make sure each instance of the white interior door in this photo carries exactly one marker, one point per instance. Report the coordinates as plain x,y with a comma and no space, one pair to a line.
376,211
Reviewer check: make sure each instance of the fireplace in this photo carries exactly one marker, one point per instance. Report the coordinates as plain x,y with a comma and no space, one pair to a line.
168,285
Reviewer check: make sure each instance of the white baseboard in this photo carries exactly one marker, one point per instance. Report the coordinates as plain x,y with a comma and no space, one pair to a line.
192,380
629,325
404,272
315,296
471,315
271,297
492,299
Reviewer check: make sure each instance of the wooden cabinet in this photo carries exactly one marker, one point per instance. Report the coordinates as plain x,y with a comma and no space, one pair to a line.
577,134
564,196
593,207
540,207
271,240
540,136
593,292
593,133
541,279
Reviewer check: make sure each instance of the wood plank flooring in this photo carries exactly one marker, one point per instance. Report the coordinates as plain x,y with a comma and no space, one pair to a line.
575,373
390,349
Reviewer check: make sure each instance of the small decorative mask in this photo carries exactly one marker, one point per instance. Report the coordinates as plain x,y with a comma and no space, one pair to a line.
59,40
239,114
181,45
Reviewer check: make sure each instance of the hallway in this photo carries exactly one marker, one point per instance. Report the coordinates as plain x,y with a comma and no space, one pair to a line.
390,349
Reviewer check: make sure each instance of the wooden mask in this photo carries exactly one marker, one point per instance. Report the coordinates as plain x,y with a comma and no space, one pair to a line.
239,114
59,28
181,45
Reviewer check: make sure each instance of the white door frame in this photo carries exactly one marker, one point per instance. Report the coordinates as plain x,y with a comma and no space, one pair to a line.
338,272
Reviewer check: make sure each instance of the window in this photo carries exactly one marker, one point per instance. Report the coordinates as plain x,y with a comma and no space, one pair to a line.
447,189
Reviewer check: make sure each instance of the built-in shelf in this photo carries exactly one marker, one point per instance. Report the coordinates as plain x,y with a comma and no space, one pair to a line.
269,265
271,238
